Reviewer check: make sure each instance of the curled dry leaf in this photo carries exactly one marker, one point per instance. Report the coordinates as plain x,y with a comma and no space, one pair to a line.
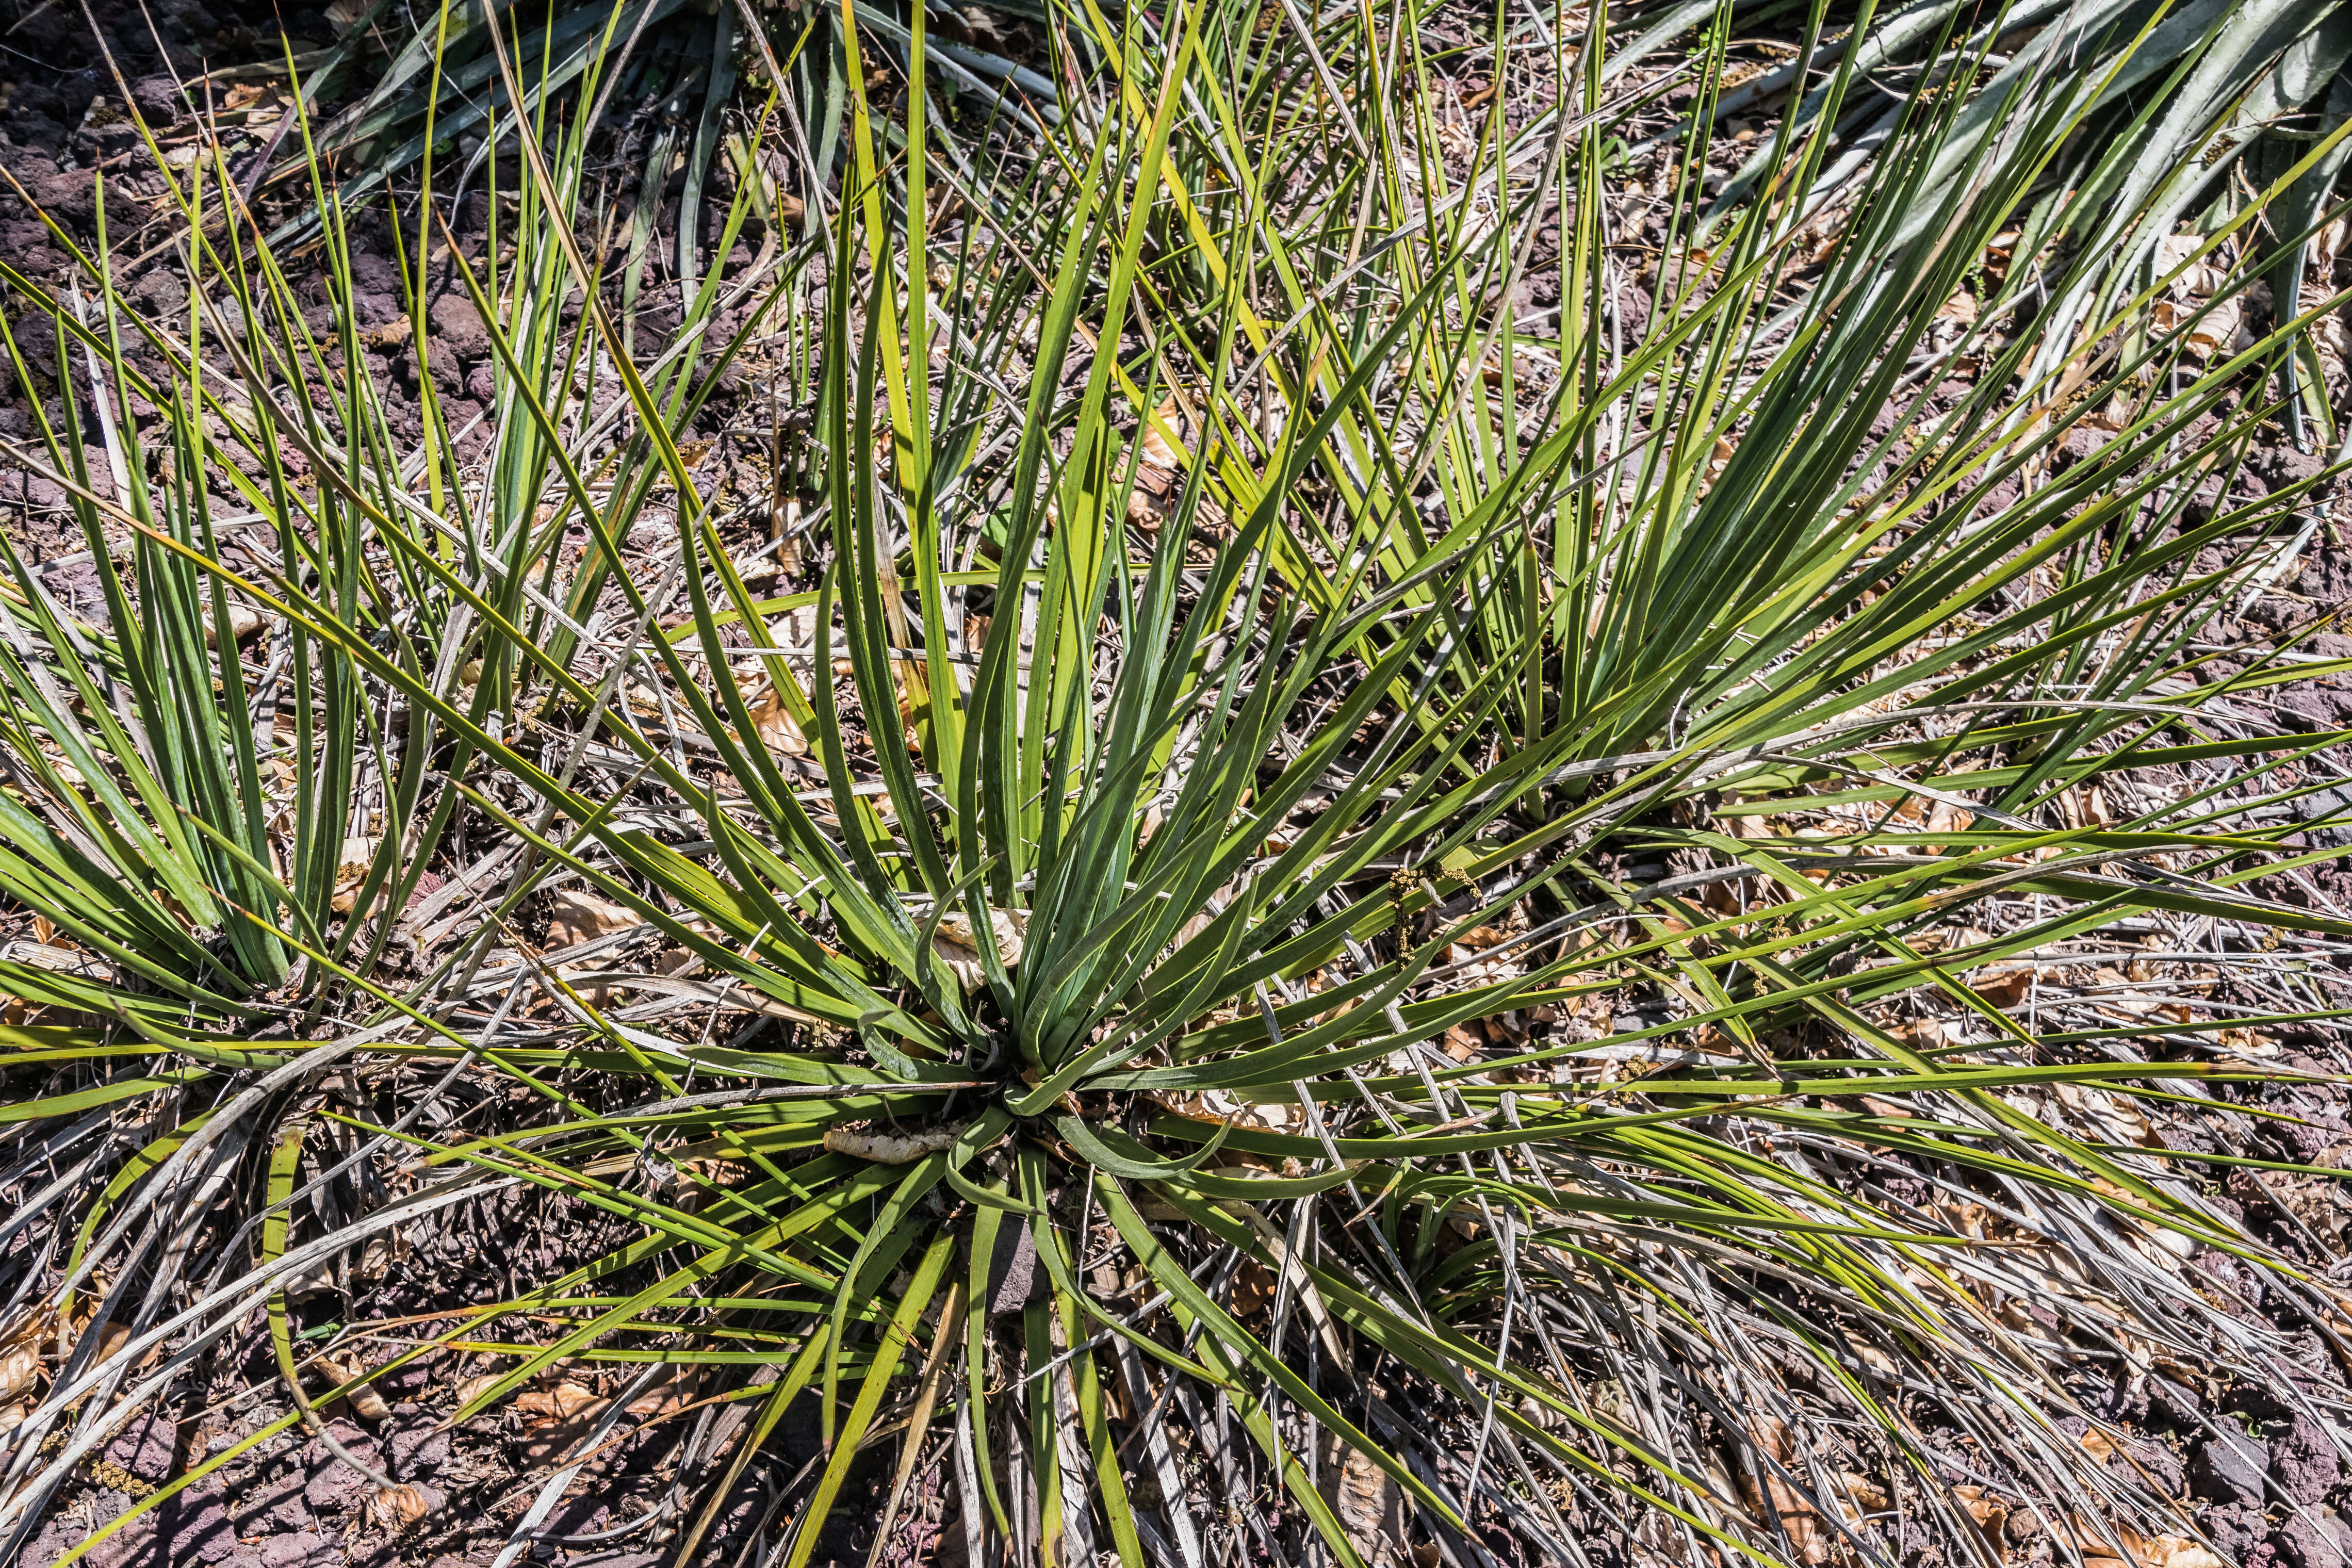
381,1252
1369,1504
2204,282
364,1398
110,1339
777,729
981,24
2086,807
472,1388
1863,1492
2097,1548
1813,1540
2199,281
954,945
1157,460
574,915
2330,243
2004,987
887,1146
756,568
909,713
557,1417
19,1364
560,1402
1254,1284
1769,1495
351,870
1937,1033
1946,817
1989,1513
1997,252
395,1508
2167,1551
1155,451
314,1279
1218,1105
664,1398
244,620
2111,1116
1772,1434
793,640
1774,1498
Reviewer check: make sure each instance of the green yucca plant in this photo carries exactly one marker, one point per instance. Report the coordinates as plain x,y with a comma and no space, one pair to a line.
1287,704
2180,108
662,75
212,811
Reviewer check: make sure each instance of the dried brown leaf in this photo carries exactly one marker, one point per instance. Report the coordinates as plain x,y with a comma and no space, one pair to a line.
2167,1551
472,1388
1989,1513
19,1364
574,915
1253,1288
351,869
777,729
365,1399
1368,1503
560,1402
397,1508
957,949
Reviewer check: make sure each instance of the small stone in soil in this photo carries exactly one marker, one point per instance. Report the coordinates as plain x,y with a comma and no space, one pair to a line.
2230,1469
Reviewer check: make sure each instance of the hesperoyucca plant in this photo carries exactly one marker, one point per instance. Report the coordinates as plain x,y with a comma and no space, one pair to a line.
1260,1038
217,800
2183,108
663,76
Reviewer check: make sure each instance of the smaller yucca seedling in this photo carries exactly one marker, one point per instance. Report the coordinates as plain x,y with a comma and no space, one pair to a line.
280,788
221,797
